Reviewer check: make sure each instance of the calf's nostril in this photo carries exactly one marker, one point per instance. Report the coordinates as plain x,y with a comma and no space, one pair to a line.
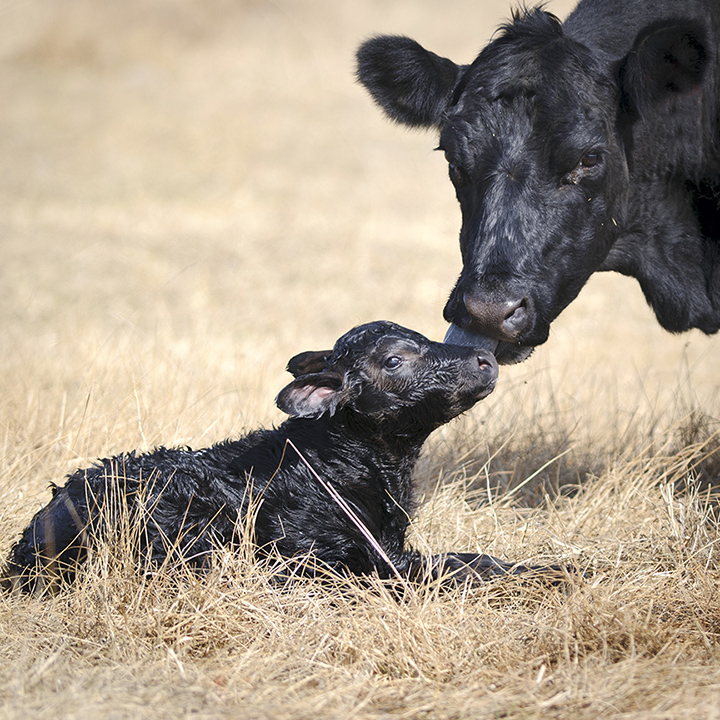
487,364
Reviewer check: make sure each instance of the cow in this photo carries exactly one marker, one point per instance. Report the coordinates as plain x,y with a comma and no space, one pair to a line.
331,488
574,147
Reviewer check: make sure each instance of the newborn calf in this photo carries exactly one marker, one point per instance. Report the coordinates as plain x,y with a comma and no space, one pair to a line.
332,485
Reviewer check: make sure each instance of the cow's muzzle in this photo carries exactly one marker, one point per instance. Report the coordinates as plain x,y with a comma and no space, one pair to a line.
498,326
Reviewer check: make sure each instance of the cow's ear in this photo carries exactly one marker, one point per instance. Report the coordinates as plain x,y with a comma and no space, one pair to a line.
668,57
412,85
312,361
311,395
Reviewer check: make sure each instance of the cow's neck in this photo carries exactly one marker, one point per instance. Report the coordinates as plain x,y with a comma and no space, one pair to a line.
675,259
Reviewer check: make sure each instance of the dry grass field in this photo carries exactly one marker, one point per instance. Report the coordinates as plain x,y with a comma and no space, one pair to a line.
192,191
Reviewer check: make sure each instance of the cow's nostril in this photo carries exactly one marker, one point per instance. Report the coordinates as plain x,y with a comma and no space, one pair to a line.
502,320
516,318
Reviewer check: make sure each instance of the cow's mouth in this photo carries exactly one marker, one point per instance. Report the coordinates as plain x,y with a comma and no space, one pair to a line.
506,353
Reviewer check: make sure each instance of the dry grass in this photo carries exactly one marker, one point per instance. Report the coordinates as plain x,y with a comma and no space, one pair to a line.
191,192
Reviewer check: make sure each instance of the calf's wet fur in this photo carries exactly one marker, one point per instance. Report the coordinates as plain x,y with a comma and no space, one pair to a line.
332,484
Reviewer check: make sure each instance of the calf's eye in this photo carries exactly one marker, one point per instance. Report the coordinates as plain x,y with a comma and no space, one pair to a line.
457,175
392,362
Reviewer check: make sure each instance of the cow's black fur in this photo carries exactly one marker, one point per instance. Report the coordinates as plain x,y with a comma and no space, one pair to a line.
360,414
588,145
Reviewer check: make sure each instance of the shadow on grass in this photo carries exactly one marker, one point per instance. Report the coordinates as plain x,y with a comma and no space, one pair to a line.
531,459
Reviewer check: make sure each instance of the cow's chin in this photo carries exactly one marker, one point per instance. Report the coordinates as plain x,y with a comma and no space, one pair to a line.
505,353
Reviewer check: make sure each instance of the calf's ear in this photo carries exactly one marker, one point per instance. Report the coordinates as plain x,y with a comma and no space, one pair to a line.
668,57
311,395
412,85
312,361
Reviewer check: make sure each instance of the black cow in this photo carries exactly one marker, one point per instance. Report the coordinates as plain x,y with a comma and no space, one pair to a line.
592,144
332,485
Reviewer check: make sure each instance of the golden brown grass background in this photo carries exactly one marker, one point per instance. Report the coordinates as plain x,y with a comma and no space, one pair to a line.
192,191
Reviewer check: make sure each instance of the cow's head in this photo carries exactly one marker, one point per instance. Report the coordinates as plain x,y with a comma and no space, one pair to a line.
537,132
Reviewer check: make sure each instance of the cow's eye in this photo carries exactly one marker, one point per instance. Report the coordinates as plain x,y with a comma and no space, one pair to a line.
590,159
392,362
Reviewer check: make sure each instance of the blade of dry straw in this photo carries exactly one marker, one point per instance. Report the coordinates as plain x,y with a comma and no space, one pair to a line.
342,504
512,492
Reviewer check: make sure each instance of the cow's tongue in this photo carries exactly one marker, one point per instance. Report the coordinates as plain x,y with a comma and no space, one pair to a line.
457,336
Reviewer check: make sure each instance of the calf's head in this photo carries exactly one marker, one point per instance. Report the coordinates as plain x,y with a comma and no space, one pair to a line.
537,132
390,379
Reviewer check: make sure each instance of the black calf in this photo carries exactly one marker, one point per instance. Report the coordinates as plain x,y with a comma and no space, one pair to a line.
332,484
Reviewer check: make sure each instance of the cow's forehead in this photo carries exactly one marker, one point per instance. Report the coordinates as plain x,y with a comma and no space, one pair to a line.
568,106
552,70
477,113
